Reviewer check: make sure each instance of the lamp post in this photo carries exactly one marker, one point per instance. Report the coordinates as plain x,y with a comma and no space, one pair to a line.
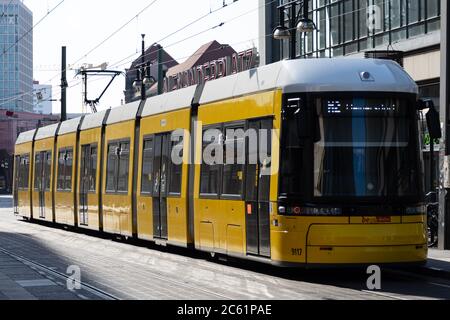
298,22
143,78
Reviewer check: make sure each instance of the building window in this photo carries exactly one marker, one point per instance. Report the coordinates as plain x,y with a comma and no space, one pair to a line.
343,26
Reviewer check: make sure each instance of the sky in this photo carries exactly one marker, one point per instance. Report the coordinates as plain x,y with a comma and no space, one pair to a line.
81,25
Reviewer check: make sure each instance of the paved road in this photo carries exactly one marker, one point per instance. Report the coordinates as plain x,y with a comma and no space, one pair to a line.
126,271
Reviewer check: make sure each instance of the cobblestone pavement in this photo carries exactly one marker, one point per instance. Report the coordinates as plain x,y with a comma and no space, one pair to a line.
29,253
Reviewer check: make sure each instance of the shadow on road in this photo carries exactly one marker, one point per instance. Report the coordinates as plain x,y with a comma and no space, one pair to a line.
393,283
34,250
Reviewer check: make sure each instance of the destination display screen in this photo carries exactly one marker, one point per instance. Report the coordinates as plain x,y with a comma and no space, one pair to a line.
365,106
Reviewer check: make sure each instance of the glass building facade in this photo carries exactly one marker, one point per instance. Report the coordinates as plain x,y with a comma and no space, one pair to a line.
16,56
349,26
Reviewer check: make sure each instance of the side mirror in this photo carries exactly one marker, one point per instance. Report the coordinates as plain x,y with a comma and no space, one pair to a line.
432,116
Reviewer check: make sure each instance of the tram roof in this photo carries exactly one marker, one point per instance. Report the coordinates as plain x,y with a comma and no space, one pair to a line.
47,132
170,101
123,113
313,75
69,126
25,137
93,120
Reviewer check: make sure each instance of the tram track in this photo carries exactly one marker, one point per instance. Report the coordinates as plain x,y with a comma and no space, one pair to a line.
50,271
102,293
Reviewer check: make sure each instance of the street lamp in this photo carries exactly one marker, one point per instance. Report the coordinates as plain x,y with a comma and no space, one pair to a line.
143,78
298,22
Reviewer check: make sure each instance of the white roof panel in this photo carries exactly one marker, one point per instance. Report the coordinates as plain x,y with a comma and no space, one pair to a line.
255,80
170,101
219,89
123,113
25,137
93,120
343,74
69,126
46,132
313,75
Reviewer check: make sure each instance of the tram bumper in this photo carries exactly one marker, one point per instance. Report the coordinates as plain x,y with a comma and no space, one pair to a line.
371,243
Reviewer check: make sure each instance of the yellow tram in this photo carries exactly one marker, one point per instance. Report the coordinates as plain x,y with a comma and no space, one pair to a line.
336,176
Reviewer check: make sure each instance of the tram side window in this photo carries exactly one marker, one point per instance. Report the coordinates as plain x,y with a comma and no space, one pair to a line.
118,167
68,169
124,158
47,170
234,160
210,169
37,171
61,156
23,171
65,163
93,169
111,167
175,166
147,166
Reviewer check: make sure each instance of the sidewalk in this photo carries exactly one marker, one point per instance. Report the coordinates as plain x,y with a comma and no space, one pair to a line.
20,282
438,263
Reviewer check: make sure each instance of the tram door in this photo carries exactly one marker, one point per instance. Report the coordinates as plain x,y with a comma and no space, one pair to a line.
84,184
160,174
42,178
258,188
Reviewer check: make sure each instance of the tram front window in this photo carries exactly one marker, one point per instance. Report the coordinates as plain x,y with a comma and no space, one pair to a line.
364,148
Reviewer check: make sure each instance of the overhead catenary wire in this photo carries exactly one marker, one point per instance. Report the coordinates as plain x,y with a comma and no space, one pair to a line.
166,37
116,31
31,29
192,36
119,63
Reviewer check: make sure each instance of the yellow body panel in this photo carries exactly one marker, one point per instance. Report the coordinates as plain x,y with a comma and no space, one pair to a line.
367,234
367,254
335,240
65,206
91,136
242,108
220,225
117,210
24,196
44,145
177,205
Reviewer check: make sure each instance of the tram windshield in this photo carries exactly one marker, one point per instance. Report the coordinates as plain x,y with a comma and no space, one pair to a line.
362,147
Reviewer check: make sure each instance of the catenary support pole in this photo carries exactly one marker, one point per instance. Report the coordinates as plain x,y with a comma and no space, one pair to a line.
444,185
63,85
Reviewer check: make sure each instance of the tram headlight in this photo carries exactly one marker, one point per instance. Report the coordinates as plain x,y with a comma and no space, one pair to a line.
281,210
